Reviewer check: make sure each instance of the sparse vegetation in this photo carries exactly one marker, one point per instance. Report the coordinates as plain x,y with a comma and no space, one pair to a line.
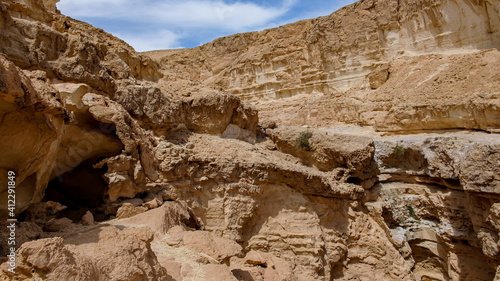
398,150
302,140
412,213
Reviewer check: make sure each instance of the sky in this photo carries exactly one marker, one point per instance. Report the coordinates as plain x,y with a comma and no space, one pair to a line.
168,24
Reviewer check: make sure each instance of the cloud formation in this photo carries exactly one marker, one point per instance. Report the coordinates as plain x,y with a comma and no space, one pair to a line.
153,40
165,24
195,13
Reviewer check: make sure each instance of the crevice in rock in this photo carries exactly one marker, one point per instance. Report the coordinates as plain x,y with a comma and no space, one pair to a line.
419,179
355,180
80,189
242,275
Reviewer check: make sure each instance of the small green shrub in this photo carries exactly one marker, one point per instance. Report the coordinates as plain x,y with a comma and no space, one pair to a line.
412,213
302,140
398,150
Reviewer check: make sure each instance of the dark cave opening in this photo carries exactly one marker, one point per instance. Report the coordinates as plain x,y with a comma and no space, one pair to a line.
80,189
355,180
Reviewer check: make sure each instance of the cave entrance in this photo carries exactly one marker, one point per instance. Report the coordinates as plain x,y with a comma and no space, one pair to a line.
80,189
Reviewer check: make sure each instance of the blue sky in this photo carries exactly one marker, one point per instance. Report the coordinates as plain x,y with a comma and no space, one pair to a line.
167,24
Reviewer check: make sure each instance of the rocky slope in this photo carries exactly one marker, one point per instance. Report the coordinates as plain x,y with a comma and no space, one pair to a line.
376,156
427,48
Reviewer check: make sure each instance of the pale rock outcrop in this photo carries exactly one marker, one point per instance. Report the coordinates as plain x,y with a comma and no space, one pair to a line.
322,71
328,152
261,266
88,219
19,101
219,249
127,211
429,199
378,76
161,219
86,256
323,54
55,225
423,92
67,72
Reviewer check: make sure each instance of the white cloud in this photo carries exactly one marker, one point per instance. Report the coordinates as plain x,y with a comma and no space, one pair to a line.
157,40
90,8
181,14
164,24
157,24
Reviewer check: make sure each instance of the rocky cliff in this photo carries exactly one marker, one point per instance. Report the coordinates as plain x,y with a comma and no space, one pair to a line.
358,146
427,48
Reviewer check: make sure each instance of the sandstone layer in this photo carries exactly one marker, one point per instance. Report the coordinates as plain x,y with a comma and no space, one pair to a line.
358,146
424,59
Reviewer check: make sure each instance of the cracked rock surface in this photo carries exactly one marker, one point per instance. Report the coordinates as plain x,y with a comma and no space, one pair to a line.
358,146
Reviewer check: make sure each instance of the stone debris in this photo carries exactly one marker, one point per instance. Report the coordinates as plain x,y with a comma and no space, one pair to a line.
88,219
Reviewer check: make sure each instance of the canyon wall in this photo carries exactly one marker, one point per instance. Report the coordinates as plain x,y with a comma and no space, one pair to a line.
337,52
424,47
358,146
49,123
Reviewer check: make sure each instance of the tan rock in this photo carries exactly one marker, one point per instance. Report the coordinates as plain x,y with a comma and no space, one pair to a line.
162,219
326,151
83,257
33,166
136,202
205,242
127,210
494,216
317,72
55,225
46,255
25,232
43,211
489,242
88,218
255,258
168,195
261,266
153,204
91,62
215,272
51,5
378,76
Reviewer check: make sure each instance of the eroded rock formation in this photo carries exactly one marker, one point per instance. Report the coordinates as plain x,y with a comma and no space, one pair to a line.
376,156
328,63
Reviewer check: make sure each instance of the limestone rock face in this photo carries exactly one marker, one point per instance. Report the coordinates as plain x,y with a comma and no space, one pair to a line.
205,242
78,105
326,151
378,76
358,146
87,257
394,65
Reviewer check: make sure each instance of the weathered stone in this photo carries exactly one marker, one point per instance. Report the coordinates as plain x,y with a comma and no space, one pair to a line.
82,257
128,210
354,174
57,224
88,218
378,76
